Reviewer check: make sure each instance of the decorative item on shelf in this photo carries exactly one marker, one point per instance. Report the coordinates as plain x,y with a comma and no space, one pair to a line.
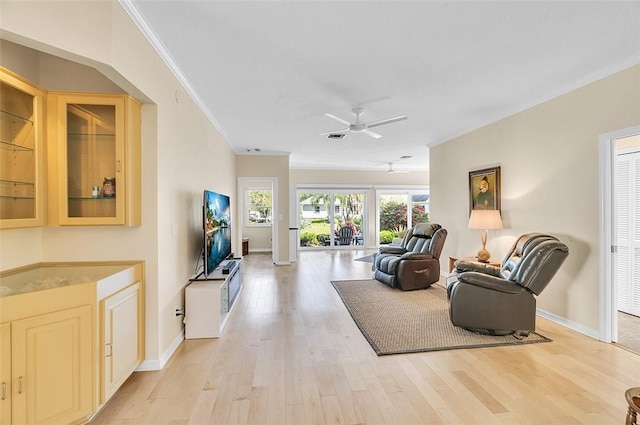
484,220
95,192
109,187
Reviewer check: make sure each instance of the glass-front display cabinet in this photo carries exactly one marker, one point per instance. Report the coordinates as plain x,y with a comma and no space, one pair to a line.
21,140
94,166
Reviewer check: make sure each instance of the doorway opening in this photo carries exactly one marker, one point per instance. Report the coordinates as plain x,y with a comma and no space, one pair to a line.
620,235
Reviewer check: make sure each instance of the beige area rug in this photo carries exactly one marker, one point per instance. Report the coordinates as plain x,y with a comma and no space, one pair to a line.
395,321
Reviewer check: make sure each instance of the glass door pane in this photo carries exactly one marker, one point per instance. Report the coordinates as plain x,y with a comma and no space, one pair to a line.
18,137
419,209
332,219
315,229
91,160
348,210
393,216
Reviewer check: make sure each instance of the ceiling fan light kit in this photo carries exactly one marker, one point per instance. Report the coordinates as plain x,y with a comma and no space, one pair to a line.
359,127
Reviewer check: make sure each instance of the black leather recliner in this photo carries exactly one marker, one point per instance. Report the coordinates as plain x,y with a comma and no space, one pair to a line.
415,263
503,299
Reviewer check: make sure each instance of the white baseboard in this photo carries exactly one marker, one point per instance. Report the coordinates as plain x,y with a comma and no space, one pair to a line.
158,364
568,324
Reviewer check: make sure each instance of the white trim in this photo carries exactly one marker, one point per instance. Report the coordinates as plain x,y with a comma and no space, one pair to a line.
131,9
362,186
606,146
275,215
158,364
568,324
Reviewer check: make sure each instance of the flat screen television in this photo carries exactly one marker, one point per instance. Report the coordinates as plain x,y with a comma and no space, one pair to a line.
216,225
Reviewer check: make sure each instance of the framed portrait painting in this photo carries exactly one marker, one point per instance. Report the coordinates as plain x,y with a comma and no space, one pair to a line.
484,189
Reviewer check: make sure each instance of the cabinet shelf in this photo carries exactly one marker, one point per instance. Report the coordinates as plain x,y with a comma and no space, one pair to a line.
14,147
17,197
15,183
89,198
5,115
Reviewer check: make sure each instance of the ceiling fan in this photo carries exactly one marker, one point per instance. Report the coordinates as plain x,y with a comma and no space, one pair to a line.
359,127
391,170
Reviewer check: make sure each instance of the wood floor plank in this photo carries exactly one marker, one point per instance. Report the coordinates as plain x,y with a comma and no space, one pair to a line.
291,354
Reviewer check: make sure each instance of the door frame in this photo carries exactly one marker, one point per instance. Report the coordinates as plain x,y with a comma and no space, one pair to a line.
608,296
274,211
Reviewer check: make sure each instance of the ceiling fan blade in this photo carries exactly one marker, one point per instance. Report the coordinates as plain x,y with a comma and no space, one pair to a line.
386,121
342,130
338,119
371,133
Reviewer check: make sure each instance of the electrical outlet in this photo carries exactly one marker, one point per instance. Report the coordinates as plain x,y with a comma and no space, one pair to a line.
179,311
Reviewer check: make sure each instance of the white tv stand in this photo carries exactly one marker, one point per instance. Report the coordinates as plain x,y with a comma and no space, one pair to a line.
209,301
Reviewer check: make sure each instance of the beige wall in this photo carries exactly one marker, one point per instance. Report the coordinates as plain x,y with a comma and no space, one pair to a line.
549,161
182,152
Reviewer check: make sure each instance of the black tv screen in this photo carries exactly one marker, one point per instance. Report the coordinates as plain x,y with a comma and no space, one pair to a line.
216,223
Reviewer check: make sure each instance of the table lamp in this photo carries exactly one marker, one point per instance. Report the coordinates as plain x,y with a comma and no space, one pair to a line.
484,220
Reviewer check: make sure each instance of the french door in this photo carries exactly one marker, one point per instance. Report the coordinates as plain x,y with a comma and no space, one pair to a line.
321,215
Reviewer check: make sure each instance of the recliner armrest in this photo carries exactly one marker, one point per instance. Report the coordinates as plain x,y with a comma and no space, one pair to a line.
490,282
391,250
471,266
416,256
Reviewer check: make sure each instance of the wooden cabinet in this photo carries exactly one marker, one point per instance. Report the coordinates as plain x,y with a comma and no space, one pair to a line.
122,342
21,141
70,335
46,356
94,159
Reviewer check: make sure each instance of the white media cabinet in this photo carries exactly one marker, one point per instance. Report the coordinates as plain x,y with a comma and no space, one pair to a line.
209,301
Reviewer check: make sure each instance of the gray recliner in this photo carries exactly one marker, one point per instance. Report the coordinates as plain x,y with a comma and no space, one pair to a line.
415,263
502,299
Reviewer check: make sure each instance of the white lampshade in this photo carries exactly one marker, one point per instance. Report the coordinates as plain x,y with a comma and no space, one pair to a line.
485,220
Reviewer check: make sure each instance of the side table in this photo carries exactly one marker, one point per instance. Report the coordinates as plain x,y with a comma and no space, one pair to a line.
452,261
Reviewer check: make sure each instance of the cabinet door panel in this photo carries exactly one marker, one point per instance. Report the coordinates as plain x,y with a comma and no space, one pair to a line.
5,374
122,351
52,369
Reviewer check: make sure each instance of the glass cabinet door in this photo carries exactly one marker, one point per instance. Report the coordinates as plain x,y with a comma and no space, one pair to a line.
94,159
20,139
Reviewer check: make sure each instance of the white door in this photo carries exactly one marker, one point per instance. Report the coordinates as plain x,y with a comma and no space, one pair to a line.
628,232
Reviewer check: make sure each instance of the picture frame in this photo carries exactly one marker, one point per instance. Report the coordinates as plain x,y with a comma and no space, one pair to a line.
484,189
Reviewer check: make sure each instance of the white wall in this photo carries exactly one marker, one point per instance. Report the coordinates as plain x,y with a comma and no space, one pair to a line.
549,160
182,152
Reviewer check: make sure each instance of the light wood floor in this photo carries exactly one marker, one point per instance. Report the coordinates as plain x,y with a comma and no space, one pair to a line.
291,354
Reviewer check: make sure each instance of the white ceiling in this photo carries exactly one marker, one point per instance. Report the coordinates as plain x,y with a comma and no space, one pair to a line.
266,72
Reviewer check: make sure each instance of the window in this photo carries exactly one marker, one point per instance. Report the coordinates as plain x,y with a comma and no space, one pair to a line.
259,207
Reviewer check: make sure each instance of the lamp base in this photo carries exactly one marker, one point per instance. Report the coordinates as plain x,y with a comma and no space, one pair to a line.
483,256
